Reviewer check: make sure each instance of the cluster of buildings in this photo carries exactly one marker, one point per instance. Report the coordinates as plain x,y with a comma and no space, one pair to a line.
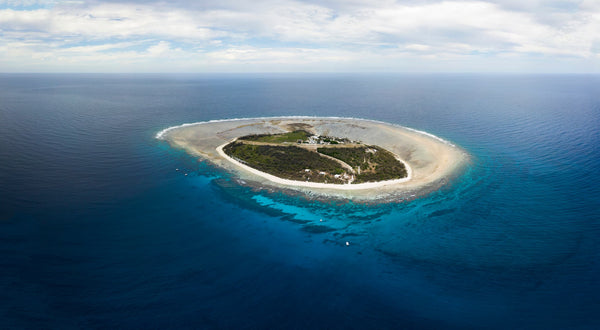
317,139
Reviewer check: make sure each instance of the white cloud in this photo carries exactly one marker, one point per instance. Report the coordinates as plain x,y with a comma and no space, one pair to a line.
160,48
301,35
417,47
27,3
106,21
98,48
297,56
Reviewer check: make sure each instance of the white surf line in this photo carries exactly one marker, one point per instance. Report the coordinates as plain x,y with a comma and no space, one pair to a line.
358,186
160,134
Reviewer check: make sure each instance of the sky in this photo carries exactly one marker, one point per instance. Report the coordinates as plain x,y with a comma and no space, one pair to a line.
512,36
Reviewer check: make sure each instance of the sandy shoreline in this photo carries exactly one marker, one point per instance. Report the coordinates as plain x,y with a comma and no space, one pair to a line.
430,160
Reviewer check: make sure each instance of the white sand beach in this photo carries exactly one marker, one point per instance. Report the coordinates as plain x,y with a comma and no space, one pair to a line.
430,161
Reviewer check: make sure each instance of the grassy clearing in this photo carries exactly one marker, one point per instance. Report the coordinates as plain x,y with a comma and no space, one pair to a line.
291,137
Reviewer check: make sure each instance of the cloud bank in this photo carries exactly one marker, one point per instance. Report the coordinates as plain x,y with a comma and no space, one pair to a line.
305,36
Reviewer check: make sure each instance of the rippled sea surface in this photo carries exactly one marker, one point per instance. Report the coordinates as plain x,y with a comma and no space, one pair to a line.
98,229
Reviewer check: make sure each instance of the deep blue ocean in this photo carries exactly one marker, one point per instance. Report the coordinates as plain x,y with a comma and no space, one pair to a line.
98,229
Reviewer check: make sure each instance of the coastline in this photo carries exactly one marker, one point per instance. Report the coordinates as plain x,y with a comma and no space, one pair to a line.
430,161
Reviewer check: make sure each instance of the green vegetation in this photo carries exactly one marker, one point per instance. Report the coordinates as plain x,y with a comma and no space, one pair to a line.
354,157
371,163
275,154
295,136
287,162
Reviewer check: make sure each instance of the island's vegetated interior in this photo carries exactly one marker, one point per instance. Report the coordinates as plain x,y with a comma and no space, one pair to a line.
287,162
302,156
370,163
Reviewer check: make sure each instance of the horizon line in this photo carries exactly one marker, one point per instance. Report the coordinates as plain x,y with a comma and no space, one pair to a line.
309,73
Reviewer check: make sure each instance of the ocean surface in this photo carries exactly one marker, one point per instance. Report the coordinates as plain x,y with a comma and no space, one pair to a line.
99,230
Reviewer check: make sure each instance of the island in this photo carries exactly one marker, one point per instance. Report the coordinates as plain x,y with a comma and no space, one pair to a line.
346,158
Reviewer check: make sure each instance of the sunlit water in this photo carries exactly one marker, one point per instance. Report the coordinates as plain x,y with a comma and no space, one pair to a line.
98,229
